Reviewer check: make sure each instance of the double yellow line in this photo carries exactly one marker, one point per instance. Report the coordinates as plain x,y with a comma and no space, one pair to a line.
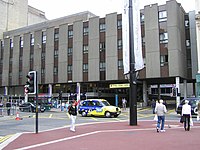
4,138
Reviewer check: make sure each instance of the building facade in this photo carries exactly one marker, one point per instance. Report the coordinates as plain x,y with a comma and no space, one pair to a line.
86,49
16,14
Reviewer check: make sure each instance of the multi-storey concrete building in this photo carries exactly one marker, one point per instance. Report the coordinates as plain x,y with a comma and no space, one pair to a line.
83,48
197,12
16,14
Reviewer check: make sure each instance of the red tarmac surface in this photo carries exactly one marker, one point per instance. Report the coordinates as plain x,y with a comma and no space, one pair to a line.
112,136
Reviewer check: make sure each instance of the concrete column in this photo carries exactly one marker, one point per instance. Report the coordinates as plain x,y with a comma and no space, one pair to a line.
178,94
145,93
78,86
6,90
50,90
185,88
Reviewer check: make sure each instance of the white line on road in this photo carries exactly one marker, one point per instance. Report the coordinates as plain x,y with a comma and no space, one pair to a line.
87,134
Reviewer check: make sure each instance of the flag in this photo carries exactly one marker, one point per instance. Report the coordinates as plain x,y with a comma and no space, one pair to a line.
139,64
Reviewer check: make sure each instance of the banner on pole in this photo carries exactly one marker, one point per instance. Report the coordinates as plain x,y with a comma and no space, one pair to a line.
139,64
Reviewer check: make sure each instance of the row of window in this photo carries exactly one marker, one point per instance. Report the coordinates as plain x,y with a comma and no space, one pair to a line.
162,16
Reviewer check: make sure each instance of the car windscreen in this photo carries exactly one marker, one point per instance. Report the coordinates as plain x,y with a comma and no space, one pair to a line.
194,102
105,103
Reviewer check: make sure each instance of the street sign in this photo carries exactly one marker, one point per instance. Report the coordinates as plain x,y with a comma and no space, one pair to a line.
124,85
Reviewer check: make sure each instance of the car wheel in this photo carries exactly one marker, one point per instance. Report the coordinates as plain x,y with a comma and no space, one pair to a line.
107,114
83,114
195,110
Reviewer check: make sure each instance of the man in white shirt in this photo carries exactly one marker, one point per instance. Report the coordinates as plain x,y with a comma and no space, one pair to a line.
186,113
160,110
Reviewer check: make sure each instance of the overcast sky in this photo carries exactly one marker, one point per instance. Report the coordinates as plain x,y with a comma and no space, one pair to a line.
60,8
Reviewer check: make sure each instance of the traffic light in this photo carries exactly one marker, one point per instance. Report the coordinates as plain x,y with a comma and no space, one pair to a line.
30,87
60,95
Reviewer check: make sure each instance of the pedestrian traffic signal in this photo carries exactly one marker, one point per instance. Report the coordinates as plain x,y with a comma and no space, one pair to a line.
30,87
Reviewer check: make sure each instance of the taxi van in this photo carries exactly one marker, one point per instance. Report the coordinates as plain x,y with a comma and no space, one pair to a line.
98,107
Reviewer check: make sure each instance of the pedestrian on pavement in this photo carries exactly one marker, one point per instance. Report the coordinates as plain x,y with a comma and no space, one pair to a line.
8,106
73,114
67,106
186,113
1,108
160,110
154,103
124,101
198,110
62,106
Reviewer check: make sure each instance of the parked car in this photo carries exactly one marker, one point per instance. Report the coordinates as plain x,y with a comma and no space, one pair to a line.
31,107
193,101
98,107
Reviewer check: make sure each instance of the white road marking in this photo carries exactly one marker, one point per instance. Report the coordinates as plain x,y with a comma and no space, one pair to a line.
87,134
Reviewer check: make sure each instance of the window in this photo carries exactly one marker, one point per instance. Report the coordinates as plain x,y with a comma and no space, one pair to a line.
119,24
11,43
44,37
162,16
70,33
2,44
85,49
85,30
187,42
102,27
164,37
32,39
56,34
69,51
55,70
42,71
56,53
69,69
102,46
163,60
189,63
43,55
141,18
21,42
119,44
120,64
143,41
102,66
187,23
85,67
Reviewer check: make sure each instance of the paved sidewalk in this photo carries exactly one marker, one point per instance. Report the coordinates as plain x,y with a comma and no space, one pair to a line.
111,136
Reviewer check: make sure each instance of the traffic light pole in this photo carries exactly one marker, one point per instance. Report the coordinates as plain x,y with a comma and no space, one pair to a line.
36,110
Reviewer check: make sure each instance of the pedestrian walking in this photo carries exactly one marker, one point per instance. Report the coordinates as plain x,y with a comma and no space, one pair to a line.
198,110
153,105
186,113
160,110
73,114
62,106
124,101
67,106
1,108
8,106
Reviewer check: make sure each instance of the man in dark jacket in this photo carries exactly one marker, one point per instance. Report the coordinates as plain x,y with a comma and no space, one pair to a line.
73,114
8,106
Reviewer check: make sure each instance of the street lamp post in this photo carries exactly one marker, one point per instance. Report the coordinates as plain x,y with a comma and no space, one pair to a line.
132,92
